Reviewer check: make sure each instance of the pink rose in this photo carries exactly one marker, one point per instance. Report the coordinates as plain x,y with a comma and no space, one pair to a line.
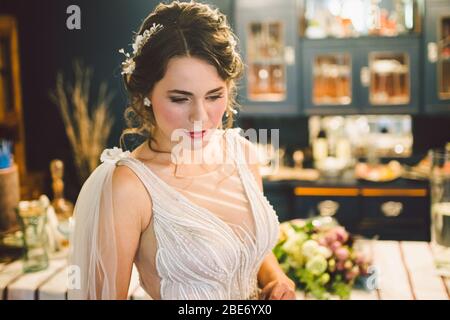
342,253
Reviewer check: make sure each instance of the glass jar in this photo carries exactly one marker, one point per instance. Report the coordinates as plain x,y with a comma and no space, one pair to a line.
440,209
32,216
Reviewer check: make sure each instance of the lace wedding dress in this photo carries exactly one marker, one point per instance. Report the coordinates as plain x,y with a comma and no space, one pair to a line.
206,239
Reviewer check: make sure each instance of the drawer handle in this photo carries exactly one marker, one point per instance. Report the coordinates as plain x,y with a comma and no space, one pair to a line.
289,55
432,52
392,208
364,76
328,208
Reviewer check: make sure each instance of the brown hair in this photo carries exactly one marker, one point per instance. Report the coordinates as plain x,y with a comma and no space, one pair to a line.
190,29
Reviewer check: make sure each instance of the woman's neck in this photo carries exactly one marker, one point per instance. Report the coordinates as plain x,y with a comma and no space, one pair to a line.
185,162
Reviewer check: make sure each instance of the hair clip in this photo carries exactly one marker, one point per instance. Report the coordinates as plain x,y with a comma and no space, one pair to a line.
147,102
129,65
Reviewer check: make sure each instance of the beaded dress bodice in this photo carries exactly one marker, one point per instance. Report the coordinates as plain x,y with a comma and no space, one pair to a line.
207,236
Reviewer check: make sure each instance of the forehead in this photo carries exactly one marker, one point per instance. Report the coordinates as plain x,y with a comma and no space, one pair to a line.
190,74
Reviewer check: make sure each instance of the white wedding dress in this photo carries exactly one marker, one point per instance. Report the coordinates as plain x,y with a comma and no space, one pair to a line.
205,240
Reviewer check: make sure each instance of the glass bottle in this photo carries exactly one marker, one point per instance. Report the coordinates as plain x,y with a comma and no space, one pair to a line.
32,216
320,147
440,209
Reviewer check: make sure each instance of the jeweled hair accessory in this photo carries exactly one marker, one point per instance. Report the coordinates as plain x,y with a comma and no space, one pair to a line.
139,42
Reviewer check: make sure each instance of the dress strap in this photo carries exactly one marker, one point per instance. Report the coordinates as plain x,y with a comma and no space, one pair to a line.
159,191
152,183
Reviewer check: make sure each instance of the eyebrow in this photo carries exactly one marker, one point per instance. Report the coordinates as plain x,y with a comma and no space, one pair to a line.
190,93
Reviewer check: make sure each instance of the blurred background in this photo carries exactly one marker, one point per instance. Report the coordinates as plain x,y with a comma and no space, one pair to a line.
359,90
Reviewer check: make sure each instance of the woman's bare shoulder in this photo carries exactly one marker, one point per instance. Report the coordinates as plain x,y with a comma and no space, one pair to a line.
130,196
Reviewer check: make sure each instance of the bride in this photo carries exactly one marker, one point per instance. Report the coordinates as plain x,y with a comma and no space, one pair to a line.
198,229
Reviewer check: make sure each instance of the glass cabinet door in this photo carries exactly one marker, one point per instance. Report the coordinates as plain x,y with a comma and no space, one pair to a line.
437,57
329,76
332,79
389,78
443,63
268,38
387,82
266,79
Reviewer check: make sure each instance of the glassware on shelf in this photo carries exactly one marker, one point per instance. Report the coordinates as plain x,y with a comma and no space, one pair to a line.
389,78
353,18
389,136
332,79
374,18
265,58
444,58
440,209
32,216
320,147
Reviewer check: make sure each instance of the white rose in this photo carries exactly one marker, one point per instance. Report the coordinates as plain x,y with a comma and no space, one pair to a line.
324,252
310,248
113,155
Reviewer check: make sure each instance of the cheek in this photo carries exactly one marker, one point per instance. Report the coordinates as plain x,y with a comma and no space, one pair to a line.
217,110
168,116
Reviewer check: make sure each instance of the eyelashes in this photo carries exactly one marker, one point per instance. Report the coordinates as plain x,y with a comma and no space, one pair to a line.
182,100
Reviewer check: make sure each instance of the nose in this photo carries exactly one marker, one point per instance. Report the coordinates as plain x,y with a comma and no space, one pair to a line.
198,113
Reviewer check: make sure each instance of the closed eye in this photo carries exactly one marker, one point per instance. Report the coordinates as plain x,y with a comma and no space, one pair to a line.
182,100
178,100
214,98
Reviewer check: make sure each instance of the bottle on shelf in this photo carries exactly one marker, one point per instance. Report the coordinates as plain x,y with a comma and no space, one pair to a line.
63,207
320,147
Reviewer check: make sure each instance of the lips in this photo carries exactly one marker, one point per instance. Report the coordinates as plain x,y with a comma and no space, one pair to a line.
197,134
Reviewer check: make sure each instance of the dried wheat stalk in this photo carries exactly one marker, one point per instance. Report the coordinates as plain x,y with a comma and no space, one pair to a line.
87,127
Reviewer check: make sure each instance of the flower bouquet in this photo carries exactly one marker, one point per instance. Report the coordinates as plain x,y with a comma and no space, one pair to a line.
319,255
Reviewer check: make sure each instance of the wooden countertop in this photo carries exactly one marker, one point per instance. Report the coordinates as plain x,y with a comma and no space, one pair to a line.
405,270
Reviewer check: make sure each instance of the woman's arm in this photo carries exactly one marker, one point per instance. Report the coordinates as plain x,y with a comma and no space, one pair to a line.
132,213
276,285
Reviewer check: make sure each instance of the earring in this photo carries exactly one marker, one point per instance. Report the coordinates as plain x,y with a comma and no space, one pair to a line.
147,102
234,111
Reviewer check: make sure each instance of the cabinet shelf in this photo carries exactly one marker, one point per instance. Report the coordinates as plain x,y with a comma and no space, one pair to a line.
354,75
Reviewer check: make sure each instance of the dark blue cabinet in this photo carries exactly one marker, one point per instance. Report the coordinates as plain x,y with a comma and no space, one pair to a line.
279,196
267,31
365,75
395,211
287,74
437,56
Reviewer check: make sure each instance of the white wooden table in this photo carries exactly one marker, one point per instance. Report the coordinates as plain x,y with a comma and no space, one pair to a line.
405,270
48,284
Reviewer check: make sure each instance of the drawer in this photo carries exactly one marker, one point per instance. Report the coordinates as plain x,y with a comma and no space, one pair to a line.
412,209
395,218
344,209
